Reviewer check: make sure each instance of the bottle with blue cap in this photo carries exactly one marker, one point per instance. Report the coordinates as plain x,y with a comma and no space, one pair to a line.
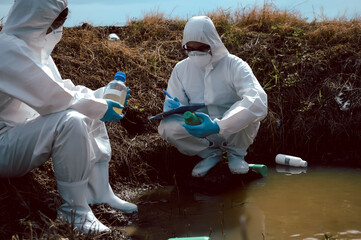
116,90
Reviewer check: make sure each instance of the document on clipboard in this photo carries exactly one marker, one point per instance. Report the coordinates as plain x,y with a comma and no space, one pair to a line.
181,109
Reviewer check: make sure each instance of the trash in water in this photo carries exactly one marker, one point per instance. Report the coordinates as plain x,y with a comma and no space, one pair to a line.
290,160
259,168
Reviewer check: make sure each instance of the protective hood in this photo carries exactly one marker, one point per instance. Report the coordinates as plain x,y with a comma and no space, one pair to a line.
30,19
201,29
30,83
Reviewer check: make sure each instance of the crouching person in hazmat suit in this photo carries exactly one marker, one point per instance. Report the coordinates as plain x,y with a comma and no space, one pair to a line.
43,116
235,102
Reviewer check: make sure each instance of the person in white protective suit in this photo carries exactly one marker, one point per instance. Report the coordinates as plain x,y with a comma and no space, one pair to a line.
43,116
235,102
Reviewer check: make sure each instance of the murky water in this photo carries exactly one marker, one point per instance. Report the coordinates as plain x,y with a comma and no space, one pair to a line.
306,204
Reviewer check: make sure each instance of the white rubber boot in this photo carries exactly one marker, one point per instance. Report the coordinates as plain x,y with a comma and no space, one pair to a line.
76,210
99,190
237,164
210,158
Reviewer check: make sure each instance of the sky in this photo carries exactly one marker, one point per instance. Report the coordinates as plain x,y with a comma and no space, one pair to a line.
118,12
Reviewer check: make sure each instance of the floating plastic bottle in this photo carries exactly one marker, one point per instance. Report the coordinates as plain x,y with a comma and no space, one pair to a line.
288,160
116,90
191,118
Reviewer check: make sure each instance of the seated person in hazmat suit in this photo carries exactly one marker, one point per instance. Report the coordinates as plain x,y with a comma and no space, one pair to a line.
235,102
43,116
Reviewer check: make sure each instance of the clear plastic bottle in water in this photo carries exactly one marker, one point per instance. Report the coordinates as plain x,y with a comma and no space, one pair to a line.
116,90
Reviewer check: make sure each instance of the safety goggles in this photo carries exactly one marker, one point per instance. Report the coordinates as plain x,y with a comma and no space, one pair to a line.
202,49
59,21
54,30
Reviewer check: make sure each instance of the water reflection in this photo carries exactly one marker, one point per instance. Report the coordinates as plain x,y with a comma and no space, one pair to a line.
290,170
288,204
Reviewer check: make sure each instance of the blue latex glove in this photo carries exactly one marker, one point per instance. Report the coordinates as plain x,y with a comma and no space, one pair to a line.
206,128
170,103
127,97
110,115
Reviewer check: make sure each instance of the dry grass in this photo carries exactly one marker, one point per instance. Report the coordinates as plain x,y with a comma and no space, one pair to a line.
302,66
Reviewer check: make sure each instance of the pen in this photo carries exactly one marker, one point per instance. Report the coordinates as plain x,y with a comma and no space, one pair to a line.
166,93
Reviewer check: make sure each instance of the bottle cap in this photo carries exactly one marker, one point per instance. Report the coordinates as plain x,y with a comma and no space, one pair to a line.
303,163
120,76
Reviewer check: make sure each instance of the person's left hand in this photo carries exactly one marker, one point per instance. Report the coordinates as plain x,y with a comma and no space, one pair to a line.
111,115
127,97
206,128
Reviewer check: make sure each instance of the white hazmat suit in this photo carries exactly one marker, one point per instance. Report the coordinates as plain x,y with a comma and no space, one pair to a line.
232,95
43,116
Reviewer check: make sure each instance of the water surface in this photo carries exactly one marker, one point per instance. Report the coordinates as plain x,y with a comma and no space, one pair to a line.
287,204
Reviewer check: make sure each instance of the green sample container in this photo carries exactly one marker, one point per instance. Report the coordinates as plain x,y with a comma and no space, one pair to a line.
191,118
191,238
259,168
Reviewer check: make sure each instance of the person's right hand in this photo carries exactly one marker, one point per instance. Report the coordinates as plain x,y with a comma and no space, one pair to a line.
170,103
110,115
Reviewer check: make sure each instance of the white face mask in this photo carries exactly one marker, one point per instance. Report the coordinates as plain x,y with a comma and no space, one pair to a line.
201,59
51,39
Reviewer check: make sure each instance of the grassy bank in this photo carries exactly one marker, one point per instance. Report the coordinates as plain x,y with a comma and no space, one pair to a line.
303,66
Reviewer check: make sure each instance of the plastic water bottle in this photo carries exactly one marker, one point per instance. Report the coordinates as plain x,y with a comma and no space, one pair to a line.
116,90
290,160
191,118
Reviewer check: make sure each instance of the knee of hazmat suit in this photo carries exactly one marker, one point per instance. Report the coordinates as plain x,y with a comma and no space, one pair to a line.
223,82
31,86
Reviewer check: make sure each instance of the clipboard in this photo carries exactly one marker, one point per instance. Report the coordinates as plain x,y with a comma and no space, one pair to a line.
181,109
